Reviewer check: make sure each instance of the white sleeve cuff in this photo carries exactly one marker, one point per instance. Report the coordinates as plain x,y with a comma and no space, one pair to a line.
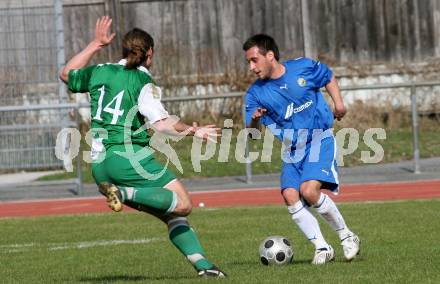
149,103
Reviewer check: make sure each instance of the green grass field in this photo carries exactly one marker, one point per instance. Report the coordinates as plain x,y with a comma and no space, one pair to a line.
399,245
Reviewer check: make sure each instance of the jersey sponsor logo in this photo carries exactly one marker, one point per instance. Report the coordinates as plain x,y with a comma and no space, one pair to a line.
302,107
291,110
301,82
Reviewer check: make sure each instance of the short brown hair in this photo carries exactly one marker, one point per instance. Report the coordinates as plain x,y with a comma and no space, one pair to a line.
264,43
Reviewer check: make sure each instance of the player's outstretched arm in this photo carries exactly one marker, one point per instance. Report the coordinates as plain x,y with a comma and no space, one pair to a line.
173,126
333,89
102,39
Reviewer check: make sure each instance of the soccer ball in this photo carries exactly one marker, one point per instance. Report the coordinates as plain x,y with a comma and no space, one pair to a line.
276,250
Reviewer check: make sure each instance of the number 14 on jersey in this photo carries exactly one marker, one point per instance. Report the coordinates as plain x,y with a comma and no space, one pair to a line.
116,111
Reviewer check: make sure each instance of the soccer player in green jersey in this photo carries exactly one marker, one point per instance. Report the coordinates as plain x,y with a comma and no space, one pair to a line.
122,96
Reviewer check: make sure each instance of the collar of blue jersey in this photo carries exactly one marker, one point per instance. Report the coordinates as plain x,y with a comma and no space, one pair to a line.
141,68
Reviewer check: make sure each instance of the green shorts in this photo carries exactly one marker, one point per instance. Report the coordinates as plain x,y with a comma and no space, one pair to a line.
118,170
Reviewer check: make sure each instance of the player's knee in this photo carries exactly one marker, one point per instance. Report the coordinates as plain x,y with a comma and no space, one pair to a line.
309,193
187,209
305,191
290,195
184,208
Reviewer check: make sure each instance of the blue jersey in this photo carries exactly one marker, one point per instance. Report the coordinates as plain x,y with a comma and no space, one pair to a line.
294,100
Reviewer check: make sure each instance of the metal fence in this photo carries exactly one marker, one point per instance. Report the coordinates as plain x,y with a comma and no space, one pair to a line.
28,134
31,53
56,119
28,53
412,106
28,138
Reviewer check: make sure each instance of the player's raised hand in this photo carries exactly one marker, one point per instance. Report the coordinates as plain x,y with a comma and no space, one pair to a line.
340,111
102,31
258,113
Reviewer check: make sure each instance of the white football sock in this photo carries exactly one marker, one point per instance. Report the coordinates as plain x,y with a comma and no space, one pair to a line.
328,210
307,223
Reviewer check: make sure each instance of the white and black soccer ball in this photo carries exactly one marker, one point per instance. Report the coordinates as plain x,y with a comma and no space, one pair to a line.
276,250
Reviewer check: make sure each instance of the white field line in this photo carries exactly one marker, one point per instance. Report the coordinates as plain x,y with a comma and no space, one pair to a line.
13,248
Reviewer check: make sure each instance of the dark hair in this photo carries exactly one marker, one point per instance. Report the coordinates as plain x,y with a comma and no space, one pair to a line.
135,45
264,43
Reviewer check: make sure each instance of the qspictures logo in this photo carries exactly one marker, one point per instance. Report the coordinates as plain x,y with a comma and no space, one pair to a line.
292,148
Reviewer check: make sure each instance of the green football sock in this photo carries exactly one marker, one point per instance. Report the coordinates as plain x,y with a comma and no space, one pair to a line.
185,239
161,200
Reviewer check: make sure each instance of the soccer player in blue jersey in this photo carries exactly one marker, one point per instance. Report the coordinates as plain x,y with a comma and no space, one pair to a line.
286,98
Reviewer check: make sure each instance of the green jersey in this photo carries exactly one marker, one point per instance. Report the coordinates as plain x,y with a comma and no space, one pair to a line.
115,92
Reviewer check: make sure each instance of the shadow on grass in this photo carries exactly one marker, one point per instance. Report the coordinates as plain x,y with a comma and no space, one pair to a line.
130,278
359,258
252,263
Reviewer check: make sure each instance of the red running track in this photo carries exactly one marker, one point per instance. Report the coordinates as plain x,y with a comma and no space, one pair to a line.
227,198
